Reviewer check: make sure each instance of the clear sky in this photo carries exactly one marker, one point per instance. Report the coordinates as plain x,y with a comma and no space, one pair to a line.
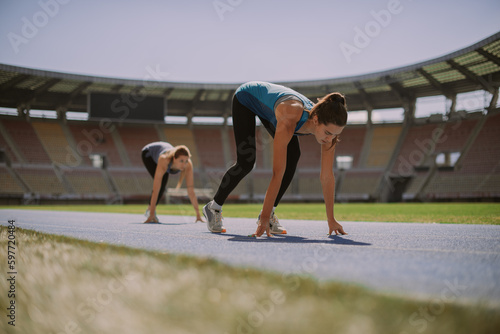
233,41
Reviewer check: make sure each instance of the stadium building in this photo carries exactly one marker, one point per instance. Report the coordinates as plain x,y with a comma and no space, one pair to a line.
75,138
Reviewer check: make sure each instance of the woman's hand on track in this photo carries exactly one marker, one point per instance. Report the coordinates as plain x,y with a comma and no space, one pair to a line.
334,226
151,219
263,227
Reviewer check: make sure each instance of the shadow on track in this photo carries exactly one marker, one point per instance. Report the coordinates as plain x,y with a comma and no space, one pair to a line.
160,223
332,240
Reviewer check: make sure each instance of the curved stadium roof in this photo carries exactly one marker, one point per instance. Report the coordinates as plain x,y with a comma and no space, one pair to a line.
476,67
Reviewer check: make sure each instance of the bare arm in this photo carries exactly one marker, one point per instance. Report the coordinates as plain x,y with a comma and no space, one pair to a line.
328,185
288,114
161,169
190,189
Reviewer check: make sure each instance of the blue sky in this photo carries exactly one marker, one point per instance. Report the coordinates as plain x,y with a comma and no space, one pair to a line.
233,41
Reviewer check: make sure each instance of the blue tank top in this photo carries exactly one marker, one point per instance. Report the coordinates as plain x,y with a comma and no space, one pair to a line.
261,97
158,148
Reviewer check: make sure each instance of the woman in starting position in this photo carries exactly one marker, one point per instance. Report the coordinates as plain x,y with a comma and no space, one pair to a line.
162,159
285,114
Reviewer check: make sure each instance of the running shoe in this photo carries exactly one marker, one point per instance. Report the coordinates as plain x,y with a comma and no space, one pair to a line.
274,225
214,219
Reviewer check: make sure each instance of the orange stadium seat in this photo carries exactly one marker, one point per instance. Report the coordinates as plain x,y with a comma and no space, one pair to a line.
134,138
91,139
478,175
54,140
6,148
384,140
416,147
27,141
351,142
42,180
210,149
10,186
87,181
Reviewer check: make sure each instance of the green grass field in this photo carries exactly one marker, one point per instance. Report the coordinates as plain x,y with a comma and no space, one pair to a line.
66,285
448,213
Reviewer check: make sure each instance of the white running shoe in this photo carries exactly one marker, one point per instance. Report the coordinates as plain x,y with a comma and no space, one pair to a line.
274,225
214,219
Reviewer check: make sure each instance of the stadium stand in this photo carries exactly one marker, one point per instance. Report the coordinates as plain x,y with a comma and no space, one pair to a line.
263,142
8,155
415,186
42,180
132,183
92,139
417,147
53,139
182,136
10,186
455,134
308,184
484,155
382,145
209,144
27,142
310,153
351,143
453,155
134,138
258,181
87,182
359,185
477,174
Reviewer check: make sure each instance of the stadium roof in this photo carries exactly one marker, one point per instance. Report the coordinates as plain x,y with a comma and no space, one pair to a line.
476,67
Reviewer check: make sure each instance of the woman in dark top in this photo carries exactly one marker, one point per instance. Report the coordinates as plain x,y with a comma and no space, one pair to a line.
162,159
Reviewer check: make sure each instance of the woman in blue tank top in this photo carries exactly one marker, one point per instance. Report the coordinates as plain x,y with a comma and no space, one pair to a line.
285,114
162,159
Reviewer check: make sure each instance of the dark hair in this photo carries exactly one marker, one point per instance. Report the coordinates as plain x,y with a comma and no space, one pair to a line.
181,150
331,108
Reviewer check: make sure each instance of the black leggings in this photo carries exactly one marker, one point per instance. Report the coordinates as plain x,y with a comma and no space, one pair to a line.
151,167
246,152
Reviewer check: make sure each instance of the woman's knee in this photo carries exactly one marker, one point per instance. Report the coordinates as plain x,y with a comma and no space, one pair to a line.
245,165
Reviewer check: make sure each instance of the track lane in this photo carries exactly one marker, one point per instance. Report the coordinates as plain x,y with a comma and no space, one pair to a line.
417,260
